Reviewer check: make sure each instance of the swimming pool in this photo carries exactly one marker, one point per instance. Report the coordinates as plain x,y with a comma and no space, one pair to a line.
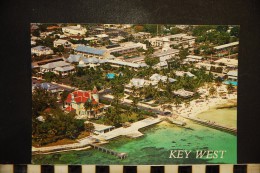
110,75
234,83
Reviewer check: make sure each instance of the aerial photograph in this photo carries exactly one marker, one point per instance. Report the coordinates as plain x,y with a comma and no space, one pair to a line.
134,94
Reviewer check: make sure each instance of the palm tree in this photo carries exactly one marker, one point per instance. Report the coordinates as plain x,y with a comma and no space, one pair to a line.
212,91
177,101
64,96
88,105
95,106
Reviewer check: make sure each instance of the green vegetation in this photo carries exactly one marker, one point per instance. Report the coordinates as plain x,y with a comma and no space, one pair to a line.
151,61
54,124
215,34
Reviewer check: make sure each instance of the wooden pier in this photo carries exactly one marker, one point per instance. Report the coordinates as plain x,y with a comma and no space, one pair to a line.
109,151
213,125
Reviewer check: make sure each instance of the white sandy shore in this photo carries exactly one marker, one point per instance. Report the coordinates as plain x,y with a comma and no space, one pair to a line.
195,107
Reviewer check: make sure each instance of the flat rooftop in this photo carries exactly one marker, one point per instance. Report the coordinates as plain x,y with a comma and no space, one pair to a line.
226,45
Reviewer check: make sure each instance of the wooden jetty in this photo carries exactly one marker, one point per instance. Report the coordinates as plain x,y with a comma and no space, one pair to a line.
213,125
109,151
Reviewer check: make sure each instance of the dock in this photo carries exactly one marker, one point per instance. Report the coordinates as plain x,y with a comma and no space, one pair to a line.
213,125
131,131
109,151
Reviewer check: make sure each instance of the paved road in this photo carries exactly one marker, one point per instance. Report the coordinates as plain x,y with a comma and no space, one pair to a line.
139,105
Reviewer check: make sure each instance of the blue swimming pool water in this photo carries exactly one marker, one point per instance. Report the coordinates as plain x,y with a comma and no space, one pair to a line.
110,75
234,83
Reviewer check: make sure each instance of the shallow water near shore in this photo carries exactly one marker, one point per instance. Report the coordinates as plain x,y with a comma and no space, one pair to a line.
223,116
155,146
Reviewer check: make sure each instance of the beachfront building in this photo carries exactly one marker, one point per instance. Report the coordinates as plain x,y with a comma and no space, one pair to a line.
76,100
183,93
62,42
88,51
125,48
41,50
225,49
74,30
101,128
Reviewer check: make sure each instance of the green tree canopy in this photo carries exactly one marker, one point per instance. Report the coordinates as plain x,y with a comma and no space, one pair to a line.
151,61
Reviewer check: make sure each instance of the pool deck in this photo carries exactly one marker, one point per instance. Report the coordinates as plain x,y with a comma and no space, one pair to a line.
131,132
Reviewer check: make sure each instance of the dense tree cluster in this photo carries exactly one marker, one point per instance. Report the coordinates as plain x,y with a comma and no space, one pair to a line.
216,34
49,122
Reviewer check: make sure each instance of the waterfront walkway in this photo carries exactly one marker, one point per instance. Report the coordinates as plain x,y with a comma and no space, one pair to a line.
131,131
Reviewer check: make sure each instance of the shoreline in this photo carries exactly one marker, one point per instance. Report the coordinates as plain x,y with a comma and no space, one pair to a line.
216,102
195,107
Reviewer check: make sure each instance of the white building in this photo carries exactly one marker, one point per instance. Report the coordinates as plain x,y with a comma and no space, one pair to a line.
227,62
157,77
232,75
51,66
74,30
182,73
176,39
118,63
41,50
183,93
193,58
61,42
166,53
127,47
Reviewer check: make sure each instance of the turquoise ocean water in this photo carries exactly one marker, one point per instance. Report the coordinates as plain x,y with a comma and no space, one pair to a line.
155,146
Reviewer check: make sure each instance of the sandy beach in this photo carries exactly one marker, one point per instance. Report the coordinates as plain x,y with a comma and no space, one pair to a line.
203,104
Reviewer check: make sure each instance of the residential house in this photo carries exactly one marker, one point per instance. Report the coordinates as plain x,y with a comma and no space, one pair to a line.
61,42
41,50
60,67
77,99
74,30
